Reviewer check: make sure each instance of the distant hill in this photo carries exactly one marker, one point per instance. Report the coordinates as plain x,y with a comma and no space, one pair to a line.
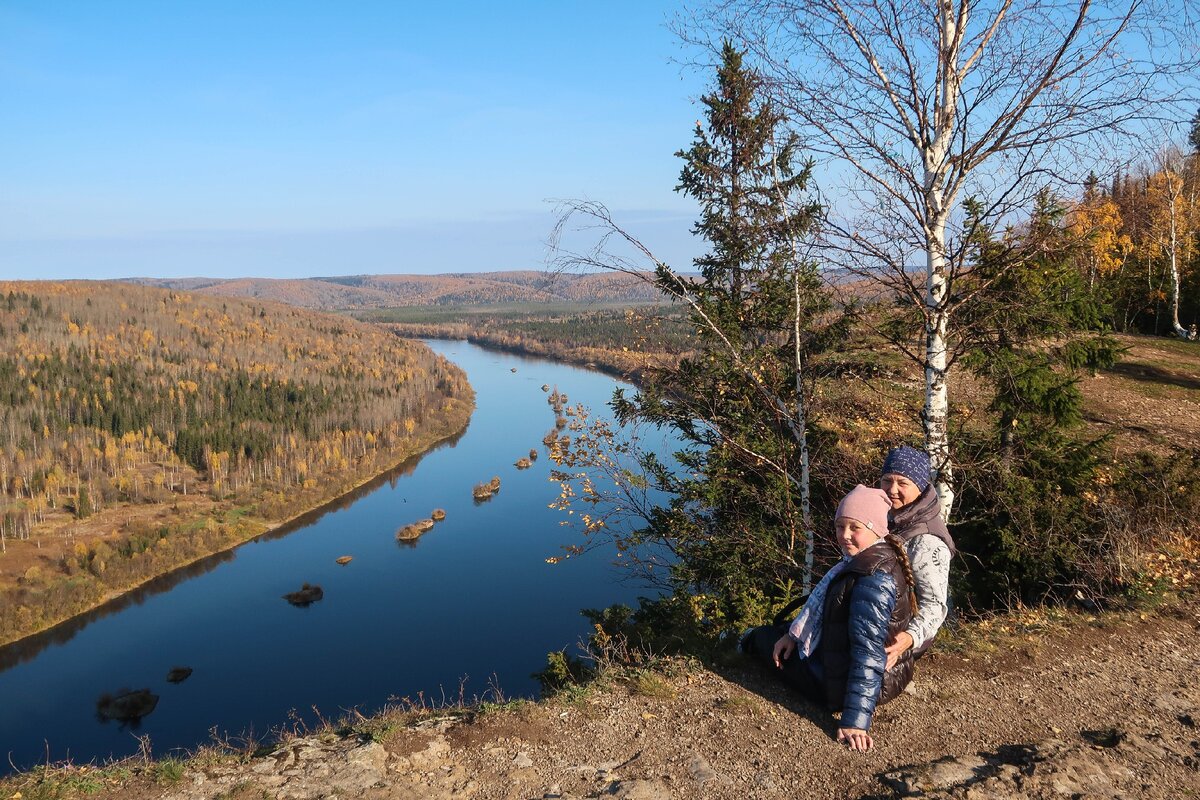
353,292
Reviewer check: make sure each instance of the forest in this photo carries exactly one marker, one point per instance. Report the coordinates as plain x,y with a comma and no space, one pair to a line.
145,427
621,340
356,292
1140,232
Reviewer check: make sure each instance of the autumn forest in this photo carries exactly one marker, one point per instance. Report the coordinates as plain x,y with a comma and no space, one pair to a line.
144,428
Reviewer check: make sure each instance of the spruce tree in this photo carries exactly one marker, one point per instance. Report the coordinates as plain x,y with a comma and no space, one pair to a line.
1034,333
760,317
1034,328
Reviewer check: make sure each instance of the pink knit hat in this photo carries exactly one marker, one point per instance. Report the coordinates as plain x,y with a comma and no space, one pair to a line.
868,506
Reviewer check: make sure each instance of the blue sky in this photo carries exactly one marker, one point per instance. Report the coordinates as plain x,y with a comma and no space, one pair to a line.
324,138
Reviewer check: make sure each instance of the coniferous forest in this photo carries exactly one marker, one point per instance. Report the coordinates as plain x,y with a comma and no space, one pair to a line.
143,428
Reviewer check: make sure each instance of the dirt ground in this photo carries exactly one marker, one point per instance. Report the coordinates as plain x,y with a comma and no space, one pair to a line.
1152,395
1090,708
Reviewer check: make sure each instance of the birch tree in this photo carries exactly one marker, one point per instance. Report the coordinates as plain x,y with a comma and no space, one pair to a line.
921,104
1095,221
1172,204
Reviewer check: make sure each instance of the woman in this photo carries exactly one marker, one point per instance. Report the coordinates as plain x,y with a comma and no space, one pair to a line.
915,519
833,650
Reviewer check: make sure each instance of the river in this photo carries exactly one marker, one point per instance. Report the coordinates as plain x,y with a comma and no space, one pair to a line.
471,605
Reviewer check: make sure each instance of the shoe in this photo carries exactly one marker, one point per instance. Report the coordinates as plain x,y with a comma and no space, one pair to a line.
743,642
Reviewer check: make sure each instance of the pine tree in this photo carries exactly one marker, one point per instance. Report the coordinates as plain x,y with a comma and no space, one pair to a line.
83,503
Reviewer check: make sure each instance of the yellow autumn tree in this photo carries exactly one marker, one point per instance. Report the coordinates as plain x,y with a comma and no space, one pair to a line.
1096,223
1173,207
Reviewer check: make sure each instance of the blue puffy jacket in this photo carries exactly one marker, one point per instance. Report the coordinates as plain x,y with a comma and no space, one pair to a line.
864,607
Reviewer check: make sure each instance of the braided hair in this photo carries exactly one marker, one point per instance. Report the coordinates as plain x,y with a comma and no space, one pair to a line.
897,544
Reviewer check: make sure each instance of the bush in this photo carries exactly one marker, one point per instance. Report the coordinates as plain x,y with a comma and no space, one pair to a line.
562,671
1078,523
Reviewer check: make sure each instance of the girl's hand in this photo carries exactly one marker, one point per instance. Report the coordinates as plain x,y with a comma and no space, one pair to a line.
856,738
784,648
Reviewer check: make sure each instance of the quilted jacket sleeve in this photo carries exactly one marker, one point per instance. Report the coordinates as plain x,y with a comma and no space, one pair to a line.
871,604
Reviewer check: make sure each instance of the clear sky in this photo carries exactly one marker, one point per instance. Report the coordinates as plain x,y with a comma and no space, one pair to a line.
305,138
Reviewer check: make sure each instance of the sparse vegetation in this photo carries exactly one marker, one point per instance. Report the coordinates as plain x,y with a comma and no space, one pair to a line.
168,770
648,683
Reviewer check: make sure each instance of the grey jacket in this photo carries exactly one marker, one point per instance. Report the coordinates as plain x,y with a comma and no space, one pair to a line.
930,548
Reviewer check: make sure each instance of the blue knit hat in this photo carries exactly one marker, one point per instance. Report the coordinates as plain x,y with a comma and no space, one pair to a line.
909,462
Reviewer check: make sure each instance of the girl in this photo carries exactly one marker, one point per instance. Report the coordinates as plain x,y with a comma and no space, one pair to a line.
833,650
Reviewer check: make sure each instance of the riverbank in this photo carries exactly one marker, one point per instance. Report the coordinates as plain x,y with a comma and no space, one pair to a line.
197,528
623,364
1037,704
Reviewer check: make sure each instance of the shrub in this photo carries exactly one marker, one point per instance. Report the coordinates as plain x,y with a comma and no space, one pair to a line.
562,671
1077,523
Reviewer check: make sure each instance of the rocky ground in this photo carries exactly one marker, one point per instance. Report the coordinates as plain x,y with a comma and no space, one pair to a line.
1090,708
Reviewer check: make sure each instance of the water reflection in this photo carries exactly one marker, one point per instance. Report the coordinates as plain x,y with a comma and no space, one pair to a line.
127,707
28,648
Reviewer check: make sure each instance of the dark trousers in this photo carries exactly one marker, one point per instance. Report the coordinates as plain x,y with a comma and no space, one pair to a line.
797,672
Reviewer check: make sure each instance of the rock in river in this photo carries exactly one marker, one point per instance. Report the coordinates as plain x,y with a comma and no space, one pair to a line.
305,596
178,674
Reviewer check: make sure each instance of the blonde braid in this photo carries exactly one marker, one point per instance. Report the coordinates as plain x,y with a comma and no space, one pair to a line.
902,555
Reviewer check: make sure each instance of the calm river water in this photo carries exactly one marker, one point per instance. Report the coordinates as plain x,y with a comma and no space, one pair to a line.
474,600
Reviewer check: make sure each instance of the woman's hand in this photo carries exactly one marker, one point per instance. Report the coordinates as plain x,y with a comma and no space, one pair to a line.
856,739
784,648
897,647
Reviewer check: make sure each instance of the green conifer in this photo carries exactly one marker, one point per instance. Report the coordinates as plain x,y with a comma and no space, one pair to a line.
734,520
1034,333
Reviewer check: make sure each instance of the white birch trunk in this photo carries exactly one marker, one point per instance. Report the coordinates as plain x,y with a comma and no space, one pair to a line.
1180,331
802,425
935,414
939,200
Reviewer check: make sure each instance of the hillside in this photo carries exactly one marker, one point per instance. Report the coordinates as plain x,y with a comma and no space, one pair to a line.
385,291
146,427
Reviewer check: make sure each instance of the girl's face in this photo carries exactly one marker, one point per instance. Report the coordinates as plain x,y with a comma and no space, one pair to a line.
900,490
853,536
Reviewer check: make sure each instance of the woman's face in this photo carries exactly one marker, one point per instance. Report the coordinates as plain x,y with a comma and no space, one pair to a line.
853,536
900,490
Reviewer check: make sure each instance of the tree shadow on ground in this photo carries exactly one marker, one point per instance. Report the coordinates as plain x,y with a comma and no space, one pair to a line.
1148,373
